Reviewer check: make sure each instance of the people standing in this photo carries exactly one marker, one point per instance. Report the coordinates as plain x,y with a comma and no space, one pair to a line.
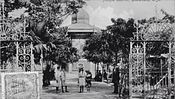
98,77
105,75
57,76
115,79
88,80
46,76
81,80
63,80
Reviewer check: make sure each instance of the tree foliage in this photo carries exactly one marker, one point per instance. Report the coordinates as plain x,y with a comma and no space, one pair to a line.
60,48
97,50
114,41
106,46
43,20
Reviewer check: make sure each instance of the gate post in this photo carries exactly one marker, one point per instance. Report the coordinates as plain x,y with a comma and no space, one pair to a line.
169,70
174,80
17,58
130,71
144,69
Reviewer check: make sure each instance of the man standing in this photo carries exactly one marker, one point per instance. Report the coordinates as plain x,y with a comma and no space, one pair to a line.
115,79
63,80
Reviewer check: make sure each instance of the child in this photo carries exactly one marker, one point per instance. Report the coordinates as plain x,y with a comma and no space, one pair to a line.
81,79
63,81
88,80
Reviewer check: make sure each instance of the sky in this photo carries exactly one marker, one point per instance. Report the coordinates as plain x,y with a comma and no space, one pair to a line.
101,12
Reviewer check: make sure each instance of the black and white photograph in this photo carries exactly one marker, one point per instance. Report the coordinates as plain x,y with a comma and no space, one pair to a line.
87,49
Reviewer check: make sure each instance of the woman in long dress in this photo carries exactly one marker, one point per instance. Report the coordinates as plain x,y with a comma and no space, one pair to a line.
81,79
63,80
57,76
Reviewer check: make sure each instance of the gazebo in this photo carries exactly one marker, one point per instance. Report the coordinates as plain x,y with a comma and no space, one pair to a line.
79,31
80,27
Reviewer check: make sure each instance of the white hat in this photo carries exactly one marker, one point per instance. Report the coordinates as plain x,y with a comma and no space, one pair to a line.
80,66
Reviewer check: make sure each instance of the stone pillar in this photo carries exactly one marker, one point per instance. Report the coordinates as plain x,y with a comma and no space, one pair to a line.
38,68
92,69
169,71
173,50
40,81
70,67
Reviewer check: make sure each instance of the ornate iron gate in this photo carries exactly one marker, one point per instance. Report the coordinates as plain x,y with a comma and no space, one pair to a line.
151,76
15,44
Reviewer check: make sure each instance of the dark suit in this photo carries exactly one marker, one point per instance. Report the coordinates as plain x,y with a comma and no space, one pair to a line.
115,79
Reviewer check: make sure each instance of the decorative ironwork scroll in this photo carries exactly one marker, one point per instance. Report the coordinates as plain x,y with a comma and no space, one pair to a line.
155,30
151,71
24,55
137,68
14,33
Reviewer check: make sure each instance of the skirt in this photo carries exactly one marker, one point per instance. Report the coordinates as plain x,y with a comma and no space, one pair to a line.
63,83
81,81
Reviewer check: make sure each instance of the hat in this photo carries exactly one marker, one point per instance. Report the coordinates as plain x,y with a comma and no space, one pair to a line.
80,66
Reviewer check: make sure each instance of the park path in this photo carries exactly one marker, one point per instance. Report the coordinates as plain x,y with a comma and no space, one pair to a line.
99,90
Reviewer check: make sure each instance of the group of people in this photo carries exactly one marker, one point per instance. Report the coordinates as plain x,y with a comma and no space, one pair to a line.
99,76
84,79
60,77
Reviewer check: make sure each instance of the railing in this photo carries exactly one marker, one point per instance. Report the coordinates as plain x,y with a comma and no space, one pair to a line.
162,81
159,90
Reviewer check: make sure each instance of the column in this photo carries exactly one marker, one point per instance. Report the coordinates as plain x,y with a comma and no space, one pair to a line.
130,72
144,69
173,48
169,71
92,69
70,67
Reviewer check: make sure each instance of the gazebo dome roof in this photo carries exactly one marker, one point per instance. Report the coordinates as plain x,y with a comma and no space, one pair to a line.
82,16
80,24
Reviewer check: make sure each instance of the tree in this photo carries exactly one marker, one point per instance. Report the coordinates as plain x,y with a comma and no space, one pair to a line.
60,48
115,39
43,16
105,47
121,32
43,21
97,49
